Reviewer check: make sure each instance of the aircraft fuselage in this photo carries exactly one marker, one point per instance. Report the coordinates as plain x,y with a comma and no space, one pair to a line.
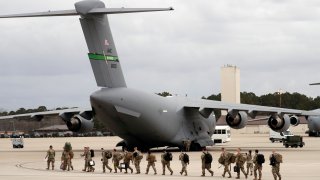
148,119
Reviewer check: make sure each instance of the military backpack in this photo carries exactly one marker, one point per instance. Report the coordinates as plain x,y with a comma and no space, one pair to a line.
185,158
168,156
92,152
108,154
231,158
260,159
207,158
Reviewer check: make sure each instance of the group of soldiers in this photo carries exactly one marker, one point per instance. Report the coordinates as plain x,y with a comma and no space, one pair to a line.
253,162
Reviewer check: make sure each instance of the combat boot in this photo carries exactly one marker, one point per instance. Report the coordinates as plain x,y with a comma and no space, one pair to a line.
171,172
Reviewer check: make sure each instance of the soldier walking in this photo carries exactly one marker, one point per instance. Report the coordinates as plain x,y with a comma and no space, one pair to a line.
206,159
258,160
166,157
184,158
126,160
116,157
240,160
51,154
151,158
275,160
249,163
66,160
137,156
225,162
106,155
85,154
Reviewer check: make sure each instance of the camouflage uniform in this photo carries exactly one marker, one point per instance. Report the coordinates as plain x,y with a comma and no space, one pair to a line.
164,164
205,165
240,160
66,160
51,154
275,168
85,155
187,144
105,161
126,161
137,159
184,165
151,162
257,167
226,163
249,164
116,157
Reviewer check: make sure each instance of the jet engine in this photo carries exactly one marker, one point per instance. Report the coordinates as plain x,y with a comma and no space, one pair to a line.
237,121
82,122
294,121
279,124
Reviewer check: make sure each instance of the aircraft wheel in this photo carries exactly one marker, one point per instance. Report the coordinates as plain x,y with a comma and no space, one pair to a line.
286,145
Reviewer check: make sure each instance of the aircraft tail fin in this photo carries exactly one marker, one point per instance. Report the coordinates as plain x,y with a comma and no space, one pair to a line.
95,25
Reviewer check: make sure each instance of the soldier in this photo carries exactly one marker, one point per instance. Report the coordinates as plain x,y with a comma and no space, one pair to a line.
187,144
104,159
151,162
240,160
249,163
85,155
127,159
137,156
166,157
184,158
116,157
275,160
87,158
225,162
51,154
206,159
66,159
257,164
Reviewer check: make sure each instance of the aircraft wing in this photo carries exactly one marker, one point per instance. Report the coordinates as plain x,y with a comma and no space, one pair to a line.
40,115
252,110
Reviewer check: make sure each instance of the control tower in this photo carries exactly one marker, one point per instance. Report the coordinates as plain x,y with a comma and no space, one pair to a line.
230,84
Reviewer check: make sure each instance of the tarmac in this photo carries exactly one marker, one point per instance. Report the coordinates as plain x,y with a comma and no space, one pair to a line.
29,162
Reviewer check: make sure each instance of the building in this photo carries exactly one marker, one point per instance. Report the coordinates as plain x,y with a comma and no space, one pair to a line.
230,85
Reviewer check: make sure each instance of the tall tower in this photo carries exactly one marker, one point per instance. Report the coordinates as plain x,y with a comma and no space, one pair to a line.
230,84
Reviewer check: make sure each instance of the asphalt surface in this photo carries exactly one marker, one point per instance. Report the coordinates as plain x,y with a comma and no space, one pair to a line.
29,163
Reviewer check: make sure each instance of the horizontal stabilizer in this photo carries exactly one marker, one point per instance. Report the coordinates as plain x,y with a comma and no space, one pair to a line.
95,11
43,14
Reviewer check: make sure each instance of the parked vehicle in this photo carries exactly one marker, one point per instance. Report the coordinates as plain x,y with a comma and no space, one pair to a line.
221,134
293,141
276,136
17,142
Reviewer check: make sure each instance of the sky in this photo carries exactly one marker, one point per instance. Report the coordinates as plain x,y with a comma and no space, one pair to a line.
275,43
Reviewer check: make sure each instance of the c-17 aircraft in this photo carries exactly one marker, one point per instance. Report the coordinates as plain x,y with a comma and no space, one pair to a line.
144,119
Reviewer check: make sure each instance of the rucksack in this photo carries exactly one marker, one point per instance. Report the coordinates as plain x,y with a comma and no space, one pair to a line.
168,156
92,152
273,160
232,158
260,159
135,154
207,158
278,158
185,158
108,154
221,160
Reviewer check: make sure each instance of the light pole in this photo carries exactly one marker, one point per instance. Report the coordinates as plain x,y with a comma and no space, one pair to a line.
280,92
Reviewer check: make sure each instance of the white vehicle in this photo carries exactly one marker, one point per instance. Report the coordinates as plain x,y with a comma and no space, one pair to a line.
221,134
276,136
17,142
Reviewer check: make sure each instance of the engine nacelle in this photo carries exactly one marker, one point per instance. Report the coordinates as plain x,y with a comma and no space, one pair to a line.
79,124
237,122
279,124
294,121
